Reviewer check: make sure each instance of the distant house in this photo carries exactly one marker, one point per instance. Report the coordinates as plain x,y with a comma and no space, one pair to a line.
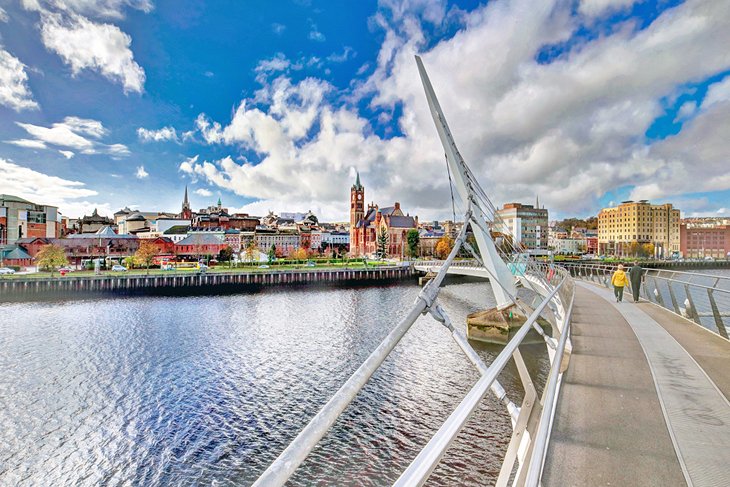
200,244
15,256
33,245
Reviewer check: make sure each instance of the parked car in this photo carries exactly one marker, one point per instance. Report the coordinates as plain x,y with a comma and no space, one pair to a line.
6,270
263,266
119,268
66,269
311,264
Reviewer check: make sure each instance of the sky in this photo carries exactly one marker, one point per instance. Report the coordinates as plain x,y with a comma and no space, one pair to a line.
275,105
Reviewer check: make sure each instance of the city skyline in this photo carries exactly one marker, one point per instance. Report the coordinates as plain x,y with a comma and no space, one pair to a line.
277,108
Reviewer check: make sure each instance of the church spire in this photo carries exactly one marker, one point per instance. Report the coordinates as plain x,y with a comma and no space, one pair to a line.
186,203
357,184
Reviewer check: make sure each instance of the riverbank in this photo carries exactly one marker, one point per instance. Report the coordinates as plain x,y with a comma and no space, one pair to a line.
35,288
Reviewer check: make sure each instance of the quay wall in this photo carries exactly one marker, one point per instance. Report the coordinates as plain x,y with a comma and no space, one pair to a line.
189,283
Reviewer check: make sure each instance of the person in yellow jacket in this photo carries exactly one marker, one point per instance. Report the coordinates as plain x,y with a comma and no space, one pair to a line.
619,281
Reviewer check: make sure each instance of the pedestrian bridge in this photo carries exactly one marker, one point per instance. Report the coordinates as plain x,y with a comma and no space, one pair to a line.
636,394
644,400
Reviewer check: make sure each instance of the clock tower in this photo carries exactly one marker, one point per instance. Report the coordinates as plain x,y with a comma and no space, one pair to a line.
357,210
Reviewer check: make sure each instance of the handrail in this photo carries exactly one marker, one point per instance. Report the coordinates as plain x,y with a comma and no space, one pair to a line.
692,294
422,466
534,472
287,462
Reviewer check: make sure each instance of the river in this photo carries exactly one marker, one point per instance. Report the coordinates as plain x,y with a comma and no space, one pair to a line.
208,390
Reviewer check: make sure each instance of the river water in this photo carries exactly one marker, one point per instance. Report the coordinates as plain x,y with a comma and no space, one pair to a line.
208,390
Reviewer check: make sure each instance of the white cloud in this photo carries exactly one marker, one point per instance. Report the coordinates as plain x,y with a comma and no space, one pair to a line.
163,134
69,196
203,192
277,63
67,153
84,44
347,52
315,34
14,91
94,8
141,173
686,110
28,143
569,130
75,133
597,8
278,28
3,15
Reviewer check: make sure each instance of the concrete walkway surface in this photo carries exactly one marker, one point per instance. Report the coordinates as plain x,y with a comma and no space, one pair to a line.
636,408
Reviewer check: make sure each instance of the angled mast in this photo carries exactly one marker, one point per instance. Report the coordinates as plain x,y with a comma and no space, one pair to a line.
460,171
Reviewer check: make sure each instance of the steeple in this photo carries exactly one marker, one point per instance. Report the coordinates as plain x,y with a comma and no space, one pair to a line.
357,184
186,203
219,202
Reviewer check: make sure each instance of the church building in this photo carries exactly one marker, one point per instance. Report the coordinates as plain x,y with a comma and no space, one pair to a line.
366,226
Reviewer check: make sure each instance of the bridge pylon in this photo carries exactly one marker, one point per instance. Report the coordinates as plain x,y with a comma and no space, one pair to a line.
506,287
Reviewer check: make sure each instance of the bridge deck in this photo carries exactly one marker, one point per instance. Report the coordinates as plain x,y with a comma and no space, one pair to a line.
636,408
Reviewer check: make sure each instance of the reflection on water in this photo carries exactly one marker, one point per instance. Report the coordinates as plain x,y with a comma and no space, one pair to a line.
208,390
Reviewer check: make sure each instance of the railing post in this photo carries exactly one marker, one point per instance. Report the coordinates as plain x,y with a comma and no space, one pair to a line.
674,298
716,314
692,310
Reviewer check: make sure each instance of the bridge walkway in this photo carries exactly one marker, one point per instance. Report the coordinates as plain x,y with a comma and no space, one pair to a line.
644,400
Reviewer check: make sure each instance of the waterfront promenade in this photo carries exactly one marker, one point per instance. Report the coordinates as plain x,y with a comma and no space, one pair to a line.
643,401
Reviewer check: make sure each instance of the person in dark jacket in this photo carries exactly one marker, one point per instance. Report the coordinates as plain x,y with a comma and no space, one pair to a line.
636,273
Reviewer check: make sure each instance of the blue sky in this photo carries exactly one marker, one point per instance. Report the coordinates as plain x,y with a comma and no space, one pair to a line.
113,103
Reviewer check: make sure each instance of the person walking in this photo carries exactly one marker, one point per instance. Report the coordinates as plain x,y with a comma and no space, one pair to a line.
619,280
636,274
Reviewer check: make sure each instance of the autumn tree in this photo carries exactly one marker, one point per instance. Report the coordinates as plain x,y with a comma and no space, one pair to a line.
299,254
51,257
145,254
443,247
648,249
250,250
413,239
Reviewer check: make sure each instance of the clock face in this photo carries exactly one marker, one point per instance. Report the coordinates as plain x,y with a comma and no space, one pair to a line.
359,196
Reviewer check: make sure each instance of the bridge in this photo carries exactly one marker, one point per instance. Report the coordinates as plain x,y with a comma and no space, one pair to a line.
636,394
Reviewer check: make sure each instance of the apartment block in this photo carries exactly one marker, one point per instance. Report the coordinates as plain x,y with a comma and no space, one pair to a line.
623,227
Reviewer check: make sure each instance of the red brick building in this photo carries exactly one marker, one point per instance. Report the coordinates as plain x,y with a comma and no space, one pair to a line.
33,245
200,244
365,227
699,242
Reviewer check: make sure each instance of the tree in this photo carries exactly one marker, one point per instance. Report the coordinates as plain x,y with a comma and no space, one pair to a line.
443,247
250,250
272,253
299,254
51,257
648,249
634,249
145,254
381,243
226,254
413,240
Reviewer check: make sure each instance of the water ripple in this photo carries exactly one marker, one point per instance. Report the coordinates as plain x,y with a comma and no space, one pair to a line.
209,390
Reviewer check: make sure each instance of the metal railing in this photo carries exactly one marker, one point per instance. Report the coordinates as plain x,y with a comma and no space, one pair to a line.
700,297
531,420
